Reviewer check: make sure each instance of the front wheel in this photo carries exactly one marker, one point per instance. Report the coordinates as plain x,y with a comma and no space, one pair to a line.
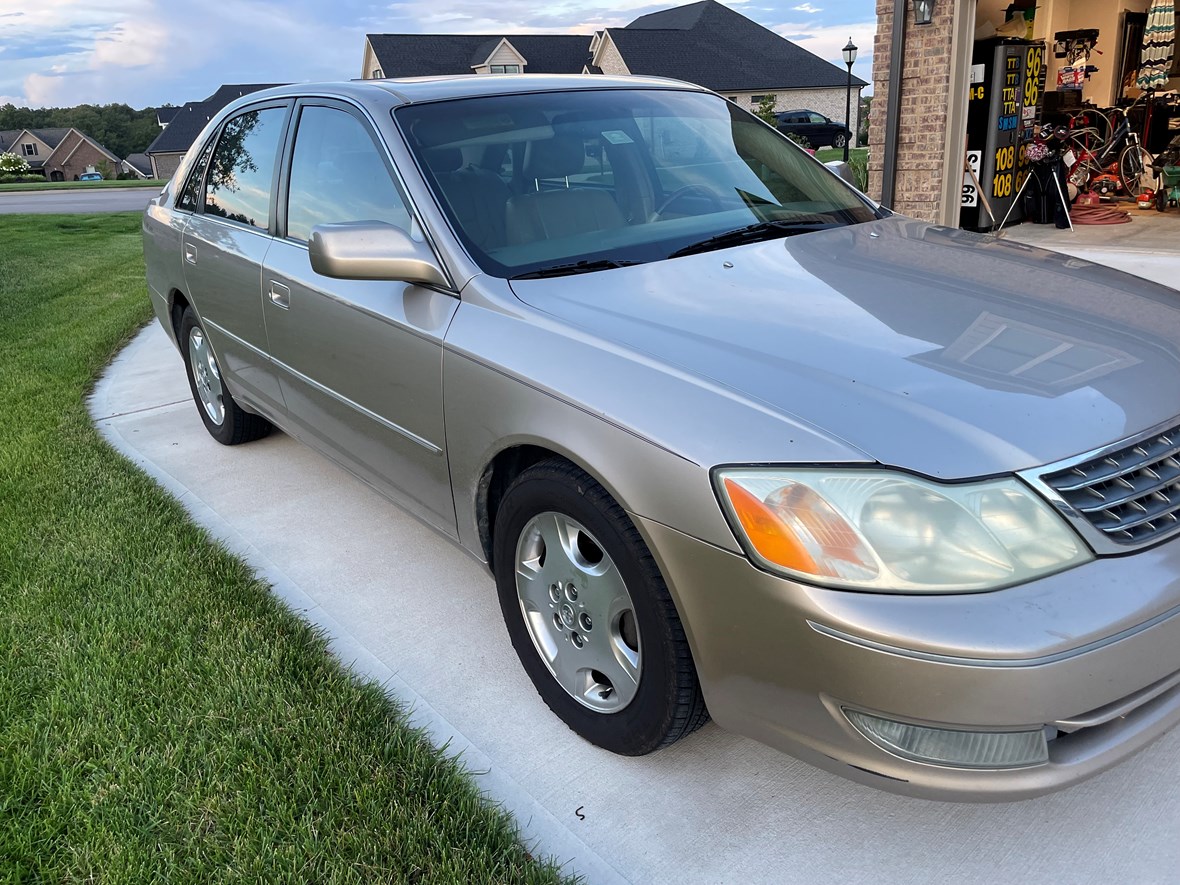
589,614
226,421
1135,169
840,140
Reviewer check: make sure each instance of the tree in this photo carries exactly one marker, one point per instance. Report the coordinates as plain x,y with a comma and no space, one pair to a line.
12,167
765,109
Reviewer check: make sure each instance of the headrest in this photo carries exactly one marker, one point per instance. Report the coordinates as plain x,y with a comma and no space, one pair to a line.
555,157
442,160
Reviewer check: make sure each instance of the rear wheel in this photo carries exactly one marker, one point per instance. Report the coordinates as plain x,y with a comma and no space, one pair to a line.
589,614
1135,169
226,421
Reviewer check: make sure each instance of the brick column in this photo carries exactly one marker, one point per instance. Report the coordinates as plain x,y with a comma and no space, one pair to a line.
925,96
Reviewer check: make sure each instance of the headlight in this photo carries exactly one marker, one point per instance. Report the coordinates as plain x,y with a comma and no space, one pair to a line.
890,532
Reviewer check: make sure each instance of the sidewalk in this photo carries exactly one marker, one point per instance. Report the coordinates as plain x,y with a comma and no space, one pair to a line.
406,608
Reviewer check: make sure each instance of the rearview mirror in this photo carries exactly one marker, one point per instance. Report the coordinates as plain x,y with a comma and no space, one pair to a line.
372,250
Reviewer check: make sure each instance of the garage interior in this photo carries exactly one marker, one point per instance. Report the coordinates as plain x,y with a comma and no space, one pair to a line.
1073,118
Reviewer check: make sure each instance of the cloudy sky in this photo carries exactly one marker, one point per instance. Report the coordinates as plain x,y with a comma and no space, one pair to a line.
145,53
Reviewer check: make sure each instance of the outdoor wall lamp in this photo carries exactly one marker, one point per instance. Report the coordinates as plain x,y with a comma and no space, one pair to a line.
923,12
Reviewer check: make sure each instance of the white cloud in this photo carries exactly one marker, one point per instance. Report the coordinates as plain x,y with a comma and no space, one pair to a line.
828,41
808,8
42,91
131,44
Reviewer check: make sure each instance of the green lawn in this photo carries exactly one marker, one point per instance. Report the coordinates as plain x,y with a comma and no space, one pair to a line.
162,717
70,185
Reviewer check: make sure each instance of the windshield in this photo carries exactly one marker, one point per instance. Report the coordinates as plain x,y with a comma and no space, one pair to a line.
579,181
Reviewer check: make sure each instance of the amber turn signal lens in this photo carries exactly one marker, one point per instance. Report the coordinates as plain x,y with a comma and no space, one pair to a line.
770,537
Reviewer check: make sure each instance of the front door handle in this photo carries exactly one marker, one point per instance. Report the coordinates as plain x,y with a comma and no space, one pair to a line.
280,295
190,253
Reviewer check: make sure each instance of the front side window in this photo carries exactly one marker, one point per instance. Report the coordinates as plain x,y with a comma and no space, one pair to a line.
580,179
818,118
337,174
241,171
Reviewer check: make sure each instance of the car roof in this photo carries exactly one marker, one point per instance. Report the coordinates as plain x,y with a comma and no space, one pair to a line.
411,90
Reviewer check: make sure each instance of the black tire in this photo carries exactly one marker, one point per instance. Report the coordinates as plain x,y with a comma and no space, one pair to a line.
839,140
1134,165
237,425
667,703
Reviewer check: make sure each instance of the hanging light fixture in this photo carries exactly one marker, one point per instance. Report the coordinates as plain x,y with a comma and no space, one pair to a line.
923,12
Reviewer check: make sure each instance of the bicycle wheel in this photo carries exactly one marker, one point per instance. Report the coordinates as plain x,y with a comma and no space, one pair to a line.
1135,169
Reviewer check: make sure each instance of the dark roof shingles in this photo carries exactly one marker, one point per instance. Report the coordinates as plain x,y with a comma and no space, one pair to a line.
713,46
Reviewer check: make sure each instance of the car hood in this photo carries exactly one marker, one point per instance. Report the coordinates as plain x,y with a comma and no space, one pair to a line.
936,350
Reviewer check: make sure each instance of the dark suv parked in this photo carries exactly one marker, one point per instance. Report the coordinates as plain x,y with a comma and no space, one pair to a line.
816,128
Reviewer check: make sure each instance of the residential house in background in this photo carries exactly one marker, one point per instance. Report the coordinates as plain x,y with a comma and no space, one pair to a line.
182,127
59,154
704,43
139,165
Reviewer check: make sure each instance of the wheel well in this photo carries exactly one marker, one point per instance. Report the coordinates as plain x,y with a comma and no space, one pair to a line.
496,478
179,304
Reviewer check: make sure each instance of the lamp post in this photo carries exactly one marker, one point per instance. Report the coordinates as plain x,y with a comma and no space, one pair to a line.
850,60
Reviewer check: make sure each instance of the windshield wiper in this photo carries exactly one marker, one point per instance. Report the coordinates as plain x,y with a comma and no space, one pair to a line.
564,270
754,233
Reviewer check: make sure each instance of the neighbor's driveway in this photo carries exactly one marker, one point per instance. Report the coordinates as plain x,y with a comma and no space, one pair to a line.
409,609
109,199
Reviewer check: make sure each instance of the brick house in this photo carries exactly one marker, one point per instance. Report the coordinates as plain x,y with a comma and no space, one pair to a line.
704,43
59,154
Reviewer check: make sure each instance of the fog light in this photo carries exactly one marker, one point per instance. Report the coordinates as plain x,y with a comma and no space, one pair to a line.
959,749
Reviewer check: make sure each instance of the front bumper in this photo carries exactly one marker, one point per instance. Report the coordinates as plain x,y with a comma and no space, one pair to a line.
1093,652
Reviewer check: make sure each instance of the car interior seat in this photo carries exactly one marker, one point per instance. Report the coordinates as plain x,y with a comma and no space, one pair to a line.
542,212
478,196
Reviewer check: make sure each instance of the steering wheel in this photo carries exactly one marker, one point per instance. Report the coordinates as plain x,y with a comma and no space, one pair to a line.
702,190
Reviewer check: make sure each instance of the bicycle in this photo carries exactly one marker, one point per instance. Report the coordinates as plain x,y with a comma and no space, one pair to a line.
1117,162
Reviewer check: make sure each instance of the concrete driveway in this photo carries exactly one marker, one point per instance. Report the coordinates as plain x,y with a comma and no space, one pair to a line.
77,200
405,607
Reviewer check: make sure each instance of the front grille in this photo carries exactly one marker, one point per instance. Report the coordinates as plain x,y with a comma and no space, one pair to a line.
1132,495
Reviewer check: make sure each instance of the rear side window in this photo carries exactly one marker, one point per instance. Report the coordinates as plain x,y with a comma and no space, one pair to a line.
238,184
190,196
337,174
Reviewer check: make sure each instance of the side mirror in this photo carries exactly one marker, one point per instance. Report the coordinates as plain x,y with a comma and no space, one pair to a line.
844,171
372,250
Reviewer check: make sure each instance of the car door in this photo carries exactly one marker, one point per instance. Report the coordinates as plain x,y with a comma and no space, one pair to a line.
230,194
360,361
825,129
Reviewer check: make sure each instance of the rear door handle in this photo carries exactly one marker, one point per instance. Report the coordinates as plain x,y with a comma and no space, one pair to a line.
280,295
190,253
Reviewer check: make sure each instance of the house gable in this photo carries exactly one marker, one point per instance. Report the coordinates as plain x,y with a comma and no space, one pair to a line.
607,58
42,143
503,59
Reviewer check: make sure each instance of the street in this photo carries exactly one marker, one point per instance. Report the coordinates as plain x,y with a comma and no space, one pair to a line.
77,200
